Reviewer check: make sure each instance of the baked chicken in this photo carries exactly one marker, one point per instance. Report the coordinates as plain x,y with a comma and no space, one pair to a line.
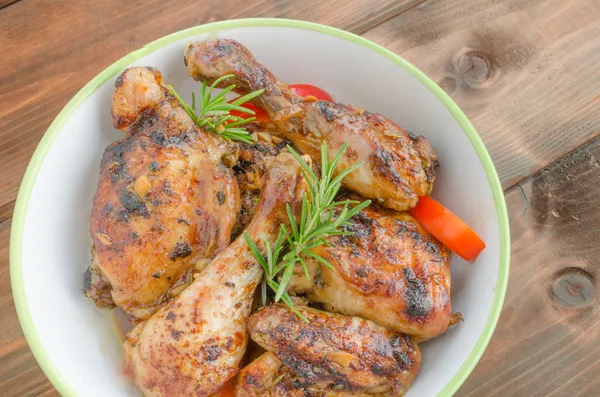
166,201
389,270
398,166
268,377
194,344
329,355
254,160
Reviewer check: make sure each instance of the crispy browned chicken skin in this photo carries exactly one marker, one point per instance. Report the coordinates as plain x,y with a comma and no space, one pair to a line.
192,346
398,166
331,353
254,160
268,377
165,201
389,270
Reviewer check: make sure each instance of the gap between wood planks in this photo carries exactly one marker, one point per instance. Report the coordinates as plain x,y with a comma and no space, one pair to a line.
6,3
409,7
526,179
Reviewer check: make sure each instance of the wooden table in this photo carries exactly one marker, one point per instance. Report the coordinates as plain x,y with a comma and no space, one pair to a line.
527,74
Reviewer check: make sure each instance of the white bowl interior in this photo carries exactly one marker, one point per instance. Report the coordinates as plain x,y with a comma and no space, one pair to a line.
81,340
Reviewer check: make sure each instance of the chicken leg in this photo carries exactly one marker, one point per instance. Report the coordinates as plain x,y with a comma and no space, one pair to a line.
388,269
334,354
268,377
398,166
166,200
192,346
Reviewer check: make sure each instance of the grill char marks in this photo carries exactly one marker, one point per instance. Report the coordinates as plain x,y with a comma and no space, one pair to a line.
334,353
389,270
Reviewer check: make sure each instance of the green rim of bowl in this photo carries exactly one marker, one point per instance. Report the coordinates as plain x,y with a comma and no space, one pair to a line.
16,238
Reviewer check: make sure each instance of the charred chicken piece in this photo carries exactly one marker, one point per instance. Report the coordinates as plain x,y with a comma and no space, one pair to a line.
166,199
192,346
329,355
254,160
398,166
268,377
389,270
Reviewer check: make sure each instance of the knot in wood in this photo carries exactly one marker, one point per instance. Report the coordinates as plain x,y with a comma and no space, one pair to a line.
574,287
474,68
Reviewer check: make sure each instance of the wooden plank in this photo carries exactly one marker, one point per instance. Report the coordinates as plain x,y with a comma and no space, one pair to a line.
6,212
524,71
57,47
20,374
547,342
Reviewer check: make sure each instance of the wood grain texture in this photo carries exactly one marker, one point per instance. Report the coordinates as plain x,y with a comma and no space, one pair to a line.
542,346
57,47
19,373
534,94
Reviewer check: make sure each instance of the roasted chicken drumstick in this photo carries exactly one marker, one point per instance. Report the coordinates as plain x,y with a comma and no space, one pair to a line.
166,201
334,354
398,166
192,346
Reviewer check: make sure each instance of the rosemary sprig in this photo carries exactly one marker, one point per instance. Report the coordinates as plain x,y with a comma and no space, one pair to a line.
213,113
321,217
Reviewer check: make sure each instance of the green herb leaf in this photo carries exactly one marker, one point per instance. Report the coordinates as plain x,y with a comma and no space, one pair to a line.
321,217
213,113
320,259
255,252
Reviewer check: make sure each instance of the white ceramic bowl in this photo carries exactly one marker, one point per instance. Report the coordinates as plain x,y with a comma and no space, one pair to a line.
77,345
